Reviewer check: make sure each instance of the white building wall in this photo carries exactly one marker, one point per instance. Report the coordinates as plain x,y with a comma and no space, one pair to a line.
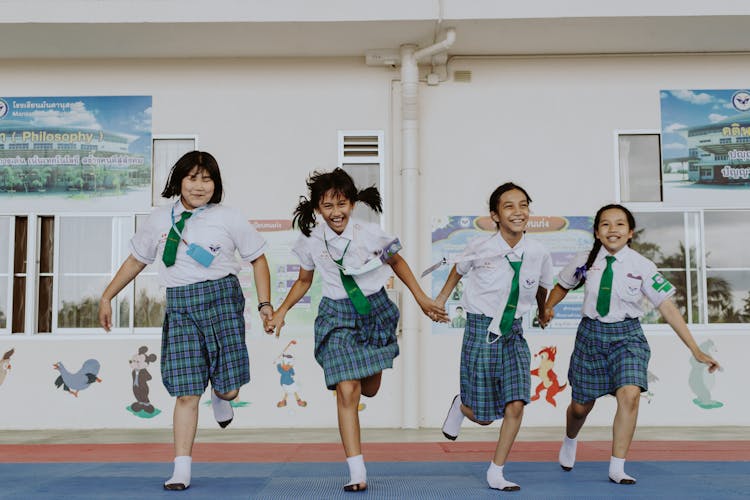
545,123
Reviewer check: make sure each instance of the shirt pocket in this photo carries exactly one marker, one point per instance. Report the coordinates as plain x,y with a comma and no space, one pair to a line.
528,284
629,289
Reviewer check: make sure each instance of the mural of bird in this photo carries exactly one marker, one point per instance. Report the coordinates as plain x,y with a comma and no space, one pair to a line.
5,365
80,380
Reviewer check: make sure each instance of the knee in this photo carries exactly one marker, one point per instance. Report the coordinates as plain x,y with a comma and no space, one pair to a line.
514,409
629,397
188,401
228,396
348,392
578,410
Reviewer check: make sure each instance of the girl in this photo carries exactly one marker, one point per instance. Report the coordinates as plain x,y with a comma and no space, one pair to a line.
505,274
611,353
355,330
203,336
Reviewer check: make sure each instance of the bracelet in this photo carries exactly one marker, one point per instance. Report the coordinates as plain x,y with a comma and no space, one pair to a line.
264,304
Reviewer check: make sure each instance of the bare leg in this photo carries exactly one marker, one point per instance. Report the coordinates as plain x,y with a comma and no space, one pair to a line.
575,418
623,428
185,423
348,393
371,385
469,413
508,431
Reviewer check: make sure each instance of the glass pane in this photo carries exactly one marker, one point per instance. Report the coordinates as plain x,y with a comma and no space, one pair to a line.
19,258
150,302
19,305
365,175
85,244
78,301
46,244
166,154
727,238
728,296
44,308
660,236
640,167
3,302
5,241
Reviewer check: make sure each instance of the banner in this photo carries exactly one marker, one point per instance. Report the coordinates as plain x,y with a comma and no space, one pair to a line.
75,153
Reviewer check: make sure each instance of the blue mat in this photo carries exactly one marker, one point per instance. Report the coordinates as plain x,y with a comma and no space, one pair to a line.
411,480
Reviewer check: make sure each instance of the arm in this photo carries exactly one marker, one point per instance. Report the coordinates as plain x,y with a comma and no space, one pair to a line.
450,284
431,308
541,296
555,296
127,272
672,316
298,290
262,277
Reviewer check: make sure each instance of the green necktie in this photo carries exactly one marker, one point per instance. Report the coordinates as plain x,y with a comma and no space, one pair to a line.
173,240
605,289
509,314
361,304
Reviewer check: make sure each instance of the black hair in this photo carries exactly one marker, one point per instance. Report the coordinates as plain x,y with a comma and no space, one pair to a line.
182,168
341,183
597,242
499,191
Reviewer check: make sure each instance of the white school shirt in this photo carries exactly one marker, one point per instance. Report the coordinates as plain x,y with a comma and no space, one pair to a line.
633,277
366,238
487,279
218,229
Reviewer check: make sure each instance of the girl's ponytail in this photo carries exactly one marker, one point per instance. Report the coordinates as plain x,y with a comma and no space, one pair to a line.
304,216
581,271
371,197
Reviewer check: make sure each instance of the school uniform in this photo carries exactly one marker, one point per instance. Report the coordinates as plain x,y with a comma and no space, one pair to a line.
495,370
611,350
349,345
203,335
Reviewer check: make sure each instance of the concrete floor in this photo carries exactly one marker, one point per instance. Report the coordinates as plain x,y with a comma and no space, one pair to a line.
328,435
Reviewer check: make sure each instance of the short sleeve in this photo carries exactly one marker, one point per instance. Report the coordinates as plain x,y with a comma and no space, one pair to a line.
655,286
144,244
301,249
567,278
249,242
546,275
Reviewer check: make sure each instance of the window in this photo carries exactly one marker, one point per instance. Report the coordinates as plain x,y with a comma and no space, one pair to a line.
6,243
361,156
639,173
167,150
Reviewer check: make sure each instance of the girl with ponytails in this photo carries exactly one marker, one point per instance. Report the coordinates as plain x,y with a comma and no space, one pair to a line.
611,353
355,330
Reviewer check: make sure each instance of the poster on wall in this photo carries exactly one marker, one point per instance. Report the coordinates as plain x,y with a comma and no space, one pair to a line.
562,236
75,153
284,268
705,142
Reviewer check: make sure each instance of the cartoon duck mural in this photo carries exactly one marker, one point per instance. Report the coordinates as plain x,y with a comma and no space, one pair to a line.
80,380
545,372
285,367
701,381
139,362
5,365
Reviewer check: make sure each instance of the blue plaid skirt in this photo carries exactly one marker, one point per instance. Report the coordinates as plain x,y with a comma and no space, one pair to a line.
606,357
493,375
350,346
203,338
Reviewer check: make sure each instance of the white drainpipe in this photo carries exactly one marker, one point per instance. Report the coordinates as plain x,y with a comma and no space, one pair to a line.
410,203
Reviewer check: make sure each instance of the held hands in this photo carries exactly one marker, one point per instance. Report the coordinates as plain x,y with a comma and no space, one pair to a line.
545,315
266,314
275,322
704,358
434,310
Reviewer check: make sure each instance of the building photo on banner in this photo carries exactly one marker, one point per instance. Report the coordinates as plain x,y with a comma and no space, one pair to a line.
82,153
706,147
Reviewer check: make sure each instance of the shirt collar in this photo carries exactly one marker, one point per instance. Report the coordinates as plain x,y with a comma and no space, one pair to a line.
330,235
505,247
620,256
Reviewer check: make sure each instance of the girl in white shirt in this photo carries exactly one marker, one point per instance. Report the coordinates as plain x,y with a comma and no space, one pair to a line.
355,330
505,275
611,353
193,244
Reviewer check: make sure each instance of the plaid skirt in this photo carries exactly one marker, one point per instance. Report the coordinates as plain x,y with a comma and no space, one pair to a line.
493,375
350,346
203,338
606,357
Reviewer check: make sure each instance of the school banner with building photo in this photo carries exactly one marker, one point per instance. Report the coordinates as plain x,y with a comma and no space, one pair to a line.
562,236
706,147
75,153
284,268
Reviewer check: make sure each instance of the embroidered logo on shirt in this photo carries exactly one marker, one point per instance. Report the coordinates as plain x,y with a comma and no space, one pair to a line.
214,248
529,283
660,283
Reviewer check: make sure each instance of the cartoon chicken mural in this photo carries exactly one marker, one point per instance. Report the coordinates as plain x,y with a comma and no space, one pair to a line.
5,365
80,380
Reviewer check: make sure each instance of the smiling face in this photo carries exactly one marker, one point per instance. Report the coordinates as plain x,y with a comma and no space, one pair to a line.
511,215
196,189
613,230
335,210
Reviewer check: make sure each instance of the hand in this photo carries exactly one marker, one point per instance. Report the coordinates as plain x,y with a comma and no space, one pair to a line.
545,316
266,313
435,311
704,358
105,314
275,323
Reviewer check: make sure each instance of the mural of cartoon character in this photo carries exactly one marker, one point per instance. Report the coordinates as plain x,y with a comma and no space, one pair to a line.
5,365
285,367
701,381
549,378
139,369
74,382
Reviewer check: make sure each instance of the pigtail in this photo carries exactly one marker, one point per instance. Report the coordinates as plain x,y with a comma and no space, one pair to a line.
371,197
304,216
581,271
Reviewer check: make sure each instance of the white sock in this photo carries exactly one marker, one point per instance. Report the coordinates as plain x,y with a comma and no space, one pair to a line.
497,481
567,454
181,474
223,412
617,471
452,424
357,470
